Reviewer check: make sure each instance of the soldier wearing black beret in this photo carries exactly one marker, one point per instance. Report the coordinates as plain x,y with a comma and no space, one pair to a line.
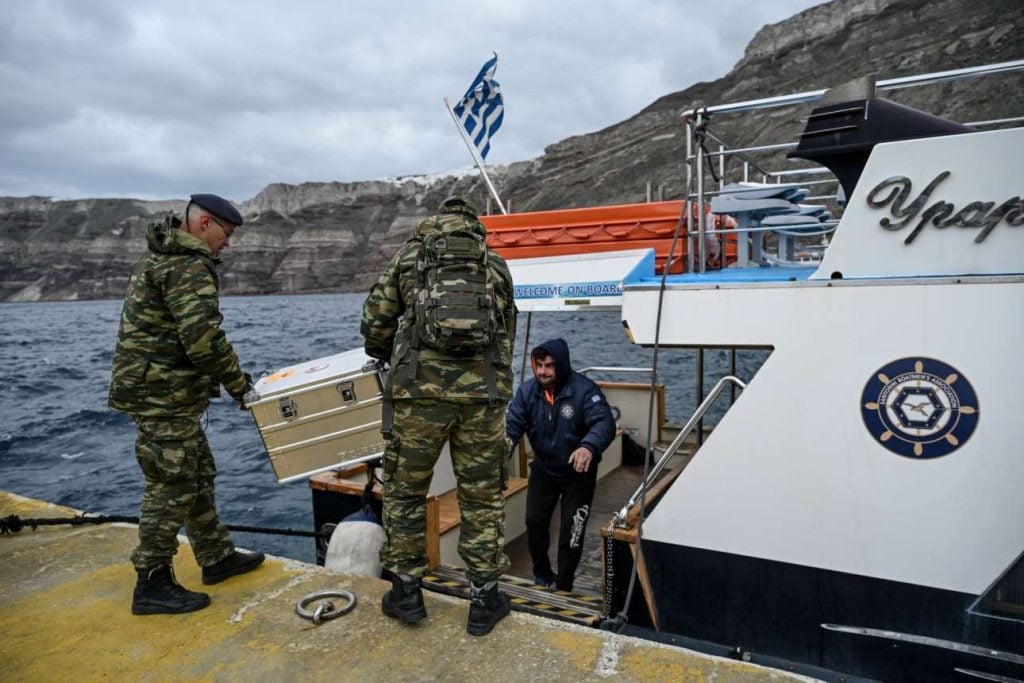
171,357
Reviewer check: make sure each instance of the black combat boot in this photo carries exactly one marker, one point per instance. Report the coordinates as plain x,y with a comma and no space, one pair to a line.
234,564
487,606
405,600
158,592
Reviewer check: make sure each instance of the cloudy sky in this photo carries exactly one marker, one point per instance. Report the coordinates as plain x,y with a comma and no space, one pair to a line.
153,100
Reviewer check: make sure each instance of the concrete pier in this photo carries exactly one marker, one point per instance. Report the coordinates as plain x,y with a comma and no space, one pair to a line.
65,596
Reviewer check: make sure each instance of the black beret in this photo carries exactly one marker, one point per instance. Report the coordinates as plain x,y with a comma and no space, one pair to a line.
219,207
457,204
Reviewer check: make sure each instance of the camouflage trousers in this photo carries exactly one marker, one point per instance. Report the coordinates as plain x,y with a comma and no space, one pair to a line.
476,434
178,466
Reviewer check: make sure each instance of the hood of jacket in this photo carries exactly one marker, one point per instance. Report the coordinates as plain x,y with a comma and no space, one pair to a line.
558,349
447,222
167,237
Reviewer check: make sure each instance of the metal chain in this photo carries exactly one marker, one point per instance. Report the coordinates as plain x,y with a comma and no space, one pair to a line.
609,574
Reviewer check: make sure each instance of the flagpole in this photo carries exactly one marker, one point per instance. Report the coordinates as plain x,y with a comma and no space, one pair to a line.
476,156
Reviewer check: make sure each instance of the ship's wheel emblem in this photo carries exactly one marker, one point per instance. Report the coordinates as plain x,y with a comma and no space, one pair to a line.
920,407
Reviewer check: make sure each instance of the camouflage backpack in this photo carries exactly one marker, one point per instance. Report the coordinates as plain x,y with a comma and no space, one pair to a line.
455,304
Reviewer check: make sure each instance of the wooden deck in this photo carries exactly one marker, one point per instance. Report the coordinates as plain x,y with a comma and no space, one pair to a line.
443,515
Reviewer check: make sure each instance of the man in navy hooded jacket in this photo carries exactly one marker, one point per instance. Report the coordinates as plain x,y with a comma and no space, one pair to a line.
569,425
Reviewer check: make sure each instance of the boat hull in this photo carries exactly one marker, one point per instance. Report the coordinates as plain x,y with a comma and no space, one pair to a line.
764,610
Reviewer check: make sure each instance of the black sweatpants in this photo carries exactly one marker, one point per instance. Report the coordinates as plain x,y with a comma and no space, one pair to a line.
542,495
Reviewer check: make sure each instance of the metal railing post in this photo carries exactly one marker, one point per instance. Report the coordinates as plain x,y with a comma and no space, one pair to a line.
700,394
688,199
526,346
701,227
732,371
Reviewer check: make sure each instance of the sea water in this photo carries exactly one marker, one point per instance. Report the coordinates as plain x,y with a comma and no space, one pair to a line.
59,442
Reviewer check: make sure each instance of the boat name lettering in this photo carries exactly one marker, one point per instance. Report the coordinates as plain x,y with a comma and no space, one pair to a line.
895,191
575,289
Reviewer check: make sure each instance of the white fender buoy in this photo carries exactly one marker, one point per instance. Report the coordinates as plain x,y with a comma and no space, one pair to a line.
355,545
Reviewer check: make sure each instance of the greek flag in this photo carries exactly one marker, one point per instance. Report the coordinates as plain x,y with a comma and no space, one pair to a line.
481,109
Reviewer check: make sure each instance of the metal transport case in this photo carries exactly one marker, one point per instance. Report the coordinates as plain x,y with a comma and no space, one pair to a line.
319,414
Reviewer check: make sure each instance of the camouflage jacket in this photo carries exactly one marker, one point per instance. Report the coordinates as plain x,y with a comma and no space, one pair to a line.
388,331
171,354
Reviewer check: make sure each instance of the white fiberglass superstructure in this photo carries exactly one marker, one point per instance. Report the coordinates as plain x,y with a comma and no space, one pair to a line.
864,489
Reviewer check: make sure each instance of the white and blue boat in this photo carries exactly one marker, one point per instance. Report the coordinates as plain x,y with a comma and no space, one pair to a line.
858,510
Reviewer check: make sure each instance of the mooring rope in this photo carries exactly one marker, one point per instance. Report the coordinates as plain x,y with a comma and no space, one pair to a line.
12,524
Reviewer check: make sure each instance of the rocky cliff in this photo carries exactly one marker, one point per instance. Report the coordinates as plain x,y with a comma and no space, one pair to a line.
336,236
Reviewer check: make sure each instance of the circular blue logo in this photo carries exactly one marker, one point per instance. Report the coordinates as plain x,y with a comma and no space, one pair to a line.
920,407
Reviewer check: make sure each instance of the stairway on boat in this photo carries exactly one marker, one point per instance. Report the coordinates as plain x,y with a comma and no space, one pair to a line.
585,603
337,494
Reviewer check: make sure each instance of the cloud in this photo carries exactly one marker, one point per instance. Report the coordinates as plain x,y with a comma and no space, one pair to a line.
104,98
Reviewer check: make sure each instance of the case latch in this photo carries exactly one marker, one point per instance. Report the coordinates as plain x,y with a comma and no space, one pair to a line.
287,407
347,391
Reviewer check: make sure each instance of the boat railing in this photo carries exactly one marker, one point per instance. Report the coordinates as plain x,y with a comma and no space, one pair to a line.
621,516
800,229
813,228
888,84
700,161
598,368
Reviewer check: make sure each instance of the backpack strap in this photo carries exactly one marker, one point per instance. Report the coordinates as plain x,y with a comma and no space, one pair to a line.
489,372
387,411
421,282
387,403
489,353
387,399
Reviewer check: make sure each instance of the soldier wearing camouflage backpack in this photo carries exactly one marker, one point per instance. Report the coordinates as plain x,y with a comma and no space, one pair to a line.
171,357
443,315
